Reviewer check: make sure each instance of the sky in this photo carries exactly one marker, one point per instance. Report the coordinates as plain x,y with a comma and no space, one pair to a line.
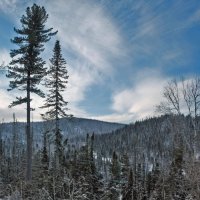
120,54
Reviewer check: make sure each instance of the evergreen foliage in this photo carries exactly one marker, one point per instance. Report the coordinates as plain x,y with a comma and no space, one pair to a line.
114,185
56,83
128,192
78,177
27,67
57,106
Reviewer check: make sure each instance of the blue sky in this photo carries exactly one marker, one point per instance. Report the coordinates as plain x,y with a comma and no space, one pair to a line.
120,54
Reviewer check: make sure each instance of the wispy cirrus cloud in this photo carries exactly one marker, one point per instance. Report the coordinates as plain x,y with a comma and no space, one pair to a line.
7,5
90,42
87,31
160,30
91,39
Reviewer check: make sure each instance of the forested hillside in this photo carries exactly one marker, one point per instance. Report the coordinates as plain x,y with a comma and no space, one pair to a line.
150,139
71,128
162,152
156,158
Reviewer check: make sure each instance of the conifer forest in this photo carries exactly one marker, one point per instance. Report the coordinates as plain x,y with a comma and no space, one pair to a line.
64,156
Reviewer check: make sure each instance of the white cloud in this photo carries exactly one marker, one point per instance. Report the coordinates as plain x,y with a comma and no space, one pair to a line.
7,5
5,59
116,117
6,113
80,79
138,101
5,56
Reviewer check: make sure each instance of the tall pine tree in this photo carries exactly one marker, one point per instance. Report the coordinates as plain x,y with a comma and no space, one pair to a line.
57,106
128,193
27,67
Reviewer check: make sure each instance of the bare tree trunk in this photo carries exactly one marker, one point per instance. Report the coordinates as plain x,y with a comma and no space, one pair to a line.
57,126
54,189
28,132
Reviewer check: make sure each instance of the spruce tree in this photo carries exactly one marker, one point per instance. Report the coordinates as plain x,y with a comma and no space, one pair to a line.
95,177
115,177
44,159
124,172
88,184
176,179
140,182
27,67
128,193
92,163
57,106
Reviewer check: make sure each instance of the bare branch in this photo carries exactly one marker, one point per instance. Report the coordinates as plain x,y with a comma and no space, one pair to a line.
172,99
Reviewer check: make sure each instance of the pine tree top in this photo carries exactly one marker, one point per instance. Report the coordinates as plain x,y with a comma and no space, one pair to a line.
27,67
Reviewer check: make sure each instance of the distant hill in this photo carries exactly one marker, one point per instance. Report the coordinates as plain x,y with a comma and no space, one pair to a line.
71,128
153,139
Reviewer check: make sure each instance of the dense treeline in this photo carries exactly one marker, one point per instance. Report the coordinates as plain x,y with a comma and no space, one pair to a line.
164,144
150,159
